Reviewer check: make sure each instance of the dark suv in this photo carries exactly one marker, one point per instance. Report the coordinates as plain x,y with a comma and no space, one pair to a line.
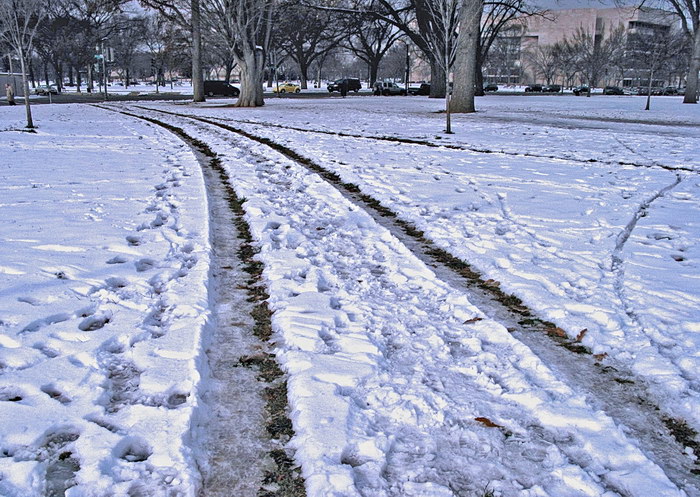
613,90
353,85
533,89
222,88
423,89
491,87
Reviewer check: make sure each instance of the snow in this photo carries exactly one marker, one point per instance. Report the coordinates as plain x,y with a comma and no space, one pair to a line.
618,254
104,277
584,208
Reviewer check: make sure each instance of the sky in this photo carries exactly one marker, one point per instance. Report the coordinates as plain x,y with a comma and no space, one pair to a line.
576,4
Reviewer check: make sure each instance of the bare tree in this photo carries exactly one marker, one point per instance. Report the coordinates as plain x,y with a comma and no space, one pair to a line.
544,60
499,16
252,25
689,12
653,53
442,42
594,54
308,34
187,15
371,39
415,18
566,58
126,41
19,21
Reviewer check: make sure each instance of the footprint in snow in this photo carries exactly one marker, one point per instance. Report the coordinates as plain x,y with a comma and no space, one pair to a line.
134,240
133,449
115,282
118,259
145,264
11,394
96,321
56,393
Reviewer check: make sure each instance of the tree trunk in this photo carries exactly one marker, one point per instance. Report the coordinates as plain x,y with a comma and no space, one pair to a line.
59,77
651,79
465,57
197,76
31,74
251,65
373,70
25,87
228,70
304,70
691,84
438,85
479,90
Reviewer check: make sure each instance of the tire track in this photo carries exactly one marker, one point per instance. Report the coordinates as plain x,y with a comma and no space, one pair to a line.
608,386
430,144
242,427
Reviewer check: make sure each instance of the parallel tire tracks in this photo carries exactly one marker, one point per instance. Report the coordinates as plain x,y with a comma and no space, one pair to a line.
448,146
608,386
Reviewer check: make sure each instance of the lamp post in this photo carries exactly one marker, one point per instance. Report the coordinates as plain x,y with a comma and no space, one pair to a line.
408,66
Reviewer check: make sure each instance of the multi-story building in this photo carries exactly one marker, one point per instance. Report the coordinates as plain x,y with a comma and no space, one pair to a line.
511,60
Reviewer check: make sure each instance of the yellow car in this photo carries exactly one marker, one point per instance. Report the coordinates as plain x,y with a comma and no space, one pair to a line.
286,88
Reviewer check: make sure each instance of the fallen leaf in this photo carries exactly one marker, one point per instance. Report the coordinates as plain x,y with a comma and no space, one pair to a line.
600,357
556,331
487,422
473,320
492,283
581,334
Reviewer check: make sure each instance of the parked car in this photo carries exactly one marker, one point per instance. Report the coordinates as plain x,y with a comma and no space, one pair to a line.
551,89
220,88
491,87
670,90
583,89
613,90
655,90
388,88
533,89
354,84
286,88
46,90
423,89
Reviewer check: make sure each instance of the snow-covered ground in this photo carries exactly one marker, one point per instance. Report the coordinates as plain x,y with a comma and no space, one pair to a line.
609,246
587,209
103,298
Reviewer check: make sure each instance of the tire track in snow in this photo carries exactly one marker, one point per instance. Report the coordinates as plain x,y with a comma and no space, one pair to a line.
614,391
447,145
241,429
617,264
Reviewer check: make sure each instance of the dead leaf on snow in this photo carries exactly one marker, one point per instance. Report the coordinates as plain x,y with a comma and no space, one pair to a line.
581,334
487,422
473,320
600,357
556,331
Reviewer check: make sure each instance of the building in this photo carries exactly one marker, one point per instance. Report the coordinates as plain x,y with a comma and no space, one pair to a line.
513,55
